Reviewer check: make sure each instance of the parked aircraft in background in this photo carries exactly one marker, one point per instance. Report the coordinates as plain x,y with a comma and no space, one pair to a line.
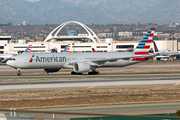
28,49
67,48
83,62
5,57
53,51
165,55
93,50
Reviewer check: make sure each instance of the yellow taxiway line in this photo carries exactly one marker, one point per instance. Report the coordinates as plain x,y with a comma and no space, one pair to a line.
177,84
91,86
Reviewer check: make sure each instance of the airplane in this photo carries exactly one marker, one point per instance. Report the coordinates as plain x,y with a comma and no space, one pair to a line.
53,51
67,49
83,62
5,57
165,55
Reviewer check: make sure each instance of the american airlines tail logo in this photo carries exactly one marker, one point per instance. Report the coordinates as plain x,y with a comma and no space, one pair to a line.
31,59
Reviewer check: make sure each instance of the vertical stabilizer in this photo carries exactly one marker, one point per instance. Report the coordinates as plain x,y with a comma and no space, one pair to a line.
144,46
67,49
155,47
28,49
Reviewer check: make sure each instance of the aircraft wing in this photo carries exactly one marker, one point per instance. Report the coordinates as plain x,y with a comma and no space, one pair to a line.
101,61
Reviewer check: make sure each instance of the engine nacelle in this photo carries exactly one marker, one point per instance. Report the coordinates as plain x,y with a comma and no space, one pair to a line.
81,67
51,70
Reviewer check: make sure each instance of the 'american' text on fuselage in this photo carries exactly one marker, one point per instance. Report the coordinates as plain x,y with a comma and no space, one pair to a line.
50,59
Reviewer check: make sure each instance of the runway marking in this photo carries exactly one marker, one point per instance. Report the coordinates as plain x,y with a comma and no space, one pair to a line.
177,84
91,86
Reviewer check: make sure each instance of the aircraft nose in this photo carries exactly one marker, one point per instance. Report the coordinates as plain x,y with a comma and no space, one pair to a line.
10,63
7,63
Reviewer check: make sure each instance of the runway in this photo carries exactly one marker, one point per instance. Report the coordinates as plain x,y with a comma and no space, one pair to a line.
80,84
144,67
135,109
85,76
135,76
143,74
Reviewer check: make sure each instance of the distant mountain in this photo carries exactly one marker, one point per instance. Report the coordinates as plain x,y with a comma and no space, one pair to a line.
3,21
90,11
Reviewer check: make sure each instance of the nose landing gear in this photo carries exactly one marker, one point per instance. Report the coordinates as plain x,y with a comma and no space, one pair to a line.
19,72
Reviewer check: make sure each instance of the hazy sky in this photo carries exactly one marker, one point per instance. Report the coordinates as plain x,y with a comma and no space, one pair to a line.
31,0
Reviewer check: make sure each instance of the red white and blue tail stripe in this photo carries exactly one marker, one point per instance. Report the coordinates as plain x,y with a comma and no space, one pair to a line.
144,46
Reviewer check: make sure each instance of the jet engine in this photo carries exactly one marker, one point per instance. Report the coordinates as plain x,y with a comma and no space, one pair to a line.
51,70
81,67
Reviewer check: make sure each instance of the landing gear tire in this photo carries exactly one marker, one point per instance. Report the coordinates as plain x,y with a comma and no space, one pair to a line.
74,73
93,73
19,73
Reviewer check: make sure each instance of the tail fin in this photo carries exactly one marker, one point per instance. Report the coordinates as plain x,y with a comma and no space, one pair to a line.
93,50
67,49
144,46
155,46
28,49
53,51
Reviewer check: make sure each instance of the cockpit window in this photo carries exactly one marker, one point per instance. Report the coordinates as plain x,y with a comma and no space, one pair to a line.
12,59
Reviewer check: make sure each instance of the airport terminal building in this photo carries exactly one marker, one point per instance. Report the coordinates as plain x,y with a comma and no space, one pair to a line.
80,43
76,46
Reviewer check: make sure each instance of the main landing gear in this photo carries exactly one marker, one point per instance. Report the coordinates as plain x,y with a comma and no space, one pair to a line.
93,72
18,72
74,73
89,73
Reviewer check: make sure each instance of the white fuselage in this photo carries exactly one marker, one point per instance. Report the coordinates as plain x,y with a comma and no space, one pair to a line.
64,60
